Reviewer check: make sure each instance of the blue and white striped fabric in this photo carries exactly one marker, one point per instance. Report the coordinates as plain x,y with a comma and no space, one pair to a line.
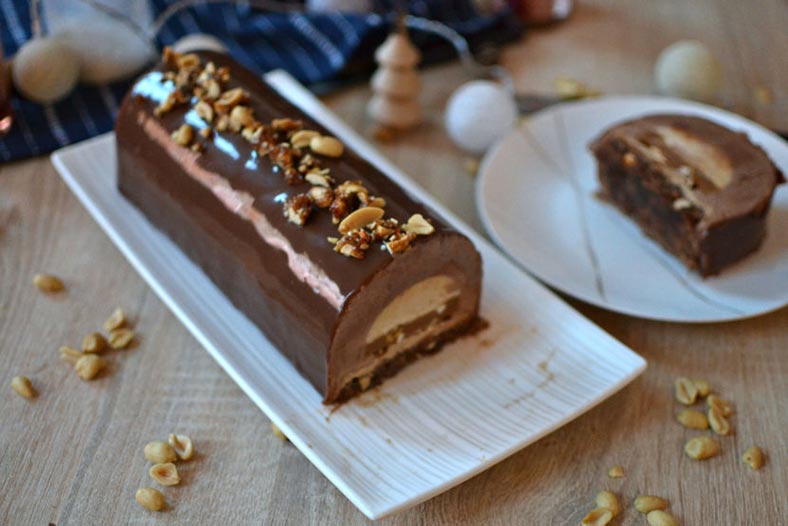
315,48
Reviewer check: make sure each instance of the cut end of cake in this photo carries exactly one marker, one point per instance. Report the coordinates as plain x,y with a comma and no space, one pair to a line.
408,310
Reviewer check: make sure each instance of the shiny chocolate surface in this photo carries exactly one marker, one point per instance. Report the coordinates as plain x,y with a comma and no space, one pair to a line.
223,206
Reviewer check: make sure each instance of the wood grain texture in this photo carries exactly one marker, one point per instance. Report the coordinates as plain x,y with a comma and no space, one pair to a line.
73,456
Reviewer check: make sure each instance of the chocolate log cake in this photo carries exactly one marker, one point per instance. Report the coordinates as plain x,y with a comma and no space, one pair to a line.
700,190
346,274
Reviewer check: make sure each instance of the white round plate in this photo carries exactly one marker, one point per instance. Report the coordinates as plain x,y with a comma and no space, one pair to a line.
536,197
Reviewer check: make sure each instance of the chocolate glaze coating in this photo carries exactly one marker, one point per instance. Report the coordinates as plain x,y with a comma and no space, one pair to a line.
321,331
700,190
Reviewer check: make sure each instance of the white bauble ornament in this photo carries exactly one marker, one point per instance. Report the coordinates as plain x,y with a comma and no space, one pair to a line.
347,6
108,50
44,70
198,42
688,69
479,113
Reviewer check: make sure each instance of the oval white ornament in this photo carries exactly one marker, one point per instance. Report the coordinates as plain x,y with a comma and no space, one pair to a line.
688,69
108,49
44,70
479,113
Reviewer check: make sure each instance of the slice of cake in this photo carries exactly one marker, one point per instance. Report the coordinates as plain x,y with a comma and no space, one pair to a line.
698,189
346,274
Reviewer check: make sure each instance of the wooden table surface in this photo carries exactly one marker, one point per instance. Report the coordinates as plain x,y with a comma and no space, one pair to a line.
73,456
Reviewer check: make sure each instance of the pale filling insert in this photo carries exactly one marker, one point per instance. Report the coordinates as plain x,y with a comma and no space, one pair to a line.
430,296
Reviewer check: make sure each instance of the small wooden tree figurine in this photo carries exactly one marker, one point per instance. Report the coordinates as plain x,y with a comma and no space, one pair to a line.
396,84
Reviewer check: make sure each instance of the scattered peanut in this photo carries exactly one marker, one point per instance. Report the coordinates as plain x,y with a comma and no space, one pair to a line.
230,99
569,88
318,179
240,117
418,225
686,391
188,61
286,124
222,123
616,472
23,386
328,146
701,448
89,365
719,424
377,201
753,457
661,518
722,407
183,446
692,419
648,503
607,499
597,517
204,111
278,433
120,338
165,474
116,320
703,387
360,218
151,499
321,197
303,138
47,283
93,343
69,354
159,452
184,135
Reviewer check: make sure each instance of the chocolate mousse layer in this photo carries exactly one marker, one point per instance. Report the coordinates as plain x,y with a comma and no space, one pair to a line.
700,190
346,274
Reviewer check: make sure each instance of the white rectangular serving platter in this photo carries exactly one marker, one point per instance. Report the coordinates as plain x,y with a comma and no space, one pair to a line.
439,422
